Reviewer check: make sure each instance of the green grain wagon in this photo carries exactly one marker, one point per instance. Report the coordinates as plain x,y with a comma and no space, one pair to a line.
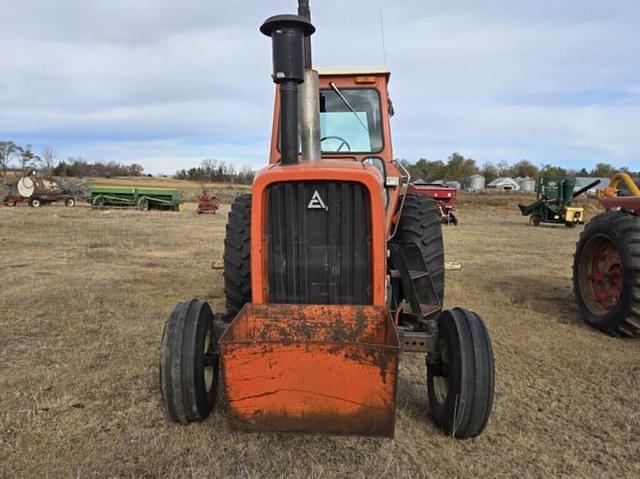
136,197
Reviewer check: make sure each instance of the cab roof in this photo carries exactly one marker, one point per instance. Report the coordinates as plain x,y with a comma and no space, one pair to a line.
354,70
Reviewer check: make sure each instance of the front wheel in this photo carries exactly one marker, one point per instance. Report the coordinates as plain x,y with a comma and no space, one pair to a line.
35,203
460,387
189,362
71,202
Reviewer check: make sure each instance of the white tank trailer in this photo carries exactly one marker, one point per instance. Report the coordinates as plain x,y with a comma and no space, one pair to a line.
37,192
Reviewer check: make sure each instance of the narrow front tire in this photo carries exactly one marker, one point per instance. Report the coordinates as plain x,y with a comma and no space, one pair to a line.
460,388
189,362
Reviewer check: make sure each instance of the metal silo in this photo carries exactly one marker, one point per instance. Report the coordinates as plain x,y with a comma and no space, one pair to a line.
527,185
475,183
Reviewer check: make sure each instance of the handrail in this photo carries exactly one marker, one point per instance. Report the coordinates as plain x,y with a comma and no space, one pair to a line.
406,185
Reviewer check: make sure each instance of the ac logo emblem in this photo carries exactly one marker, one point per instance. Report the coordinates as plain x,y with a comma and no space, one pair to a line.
316,202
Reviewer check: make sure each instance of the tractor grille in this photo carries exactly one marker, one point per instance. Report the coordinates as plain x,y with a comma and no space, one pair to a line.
319,243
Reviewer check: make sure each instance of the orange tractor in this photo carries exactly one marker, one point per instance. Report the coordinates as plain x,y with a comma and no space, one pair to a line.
606,268
331,271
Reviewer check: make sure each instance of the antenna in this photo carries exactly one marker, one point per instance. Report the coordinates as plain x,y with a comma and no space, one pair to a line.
384,49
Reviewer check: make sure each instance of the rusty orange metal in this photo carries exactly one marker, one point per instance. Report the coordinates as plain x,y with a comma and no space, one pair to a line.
312,368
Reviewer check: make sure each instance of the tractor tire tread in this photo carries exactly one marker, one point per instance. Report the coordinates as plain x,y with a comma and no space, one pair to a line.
619,226
419,222
237,256
466,409
181,378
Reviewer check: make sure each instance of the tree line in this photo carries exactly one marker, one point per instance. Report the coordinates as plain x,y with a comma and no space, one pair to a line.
456,167
217,171
81,167
25,159
22,157
459,168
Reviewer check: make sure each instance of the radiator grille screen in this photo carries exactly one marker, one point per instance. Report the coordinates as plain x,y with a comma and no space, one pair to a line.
319,243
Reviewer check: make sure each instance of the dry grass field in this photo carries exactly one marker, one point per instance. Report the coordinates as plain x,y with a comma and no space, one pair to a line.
85,294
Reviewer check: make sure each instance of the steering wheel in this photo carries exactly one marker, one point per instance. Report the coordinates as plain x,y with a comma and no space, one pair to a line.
342,141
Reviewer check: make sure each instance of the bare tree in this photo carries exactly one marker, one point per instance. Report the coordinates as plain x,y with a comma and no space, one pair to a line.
47,159
28,159
8,150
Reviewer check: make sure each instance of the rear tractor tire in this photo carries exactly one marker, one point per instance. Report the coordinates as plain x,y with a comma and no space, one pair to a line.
420,222
606,278
237,256
460,389
189,362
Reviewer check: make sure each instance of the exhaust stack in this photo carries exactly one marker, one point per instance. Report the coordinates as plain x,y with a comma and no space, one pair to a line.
309,98
287,34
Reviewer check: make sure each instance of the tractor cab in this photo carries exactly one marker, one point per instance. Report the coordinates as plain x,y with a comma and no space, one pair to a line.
354,112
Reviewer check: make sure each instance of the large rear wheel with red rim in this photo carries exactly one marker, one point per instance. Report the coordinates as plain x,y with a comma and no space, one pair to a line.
606,273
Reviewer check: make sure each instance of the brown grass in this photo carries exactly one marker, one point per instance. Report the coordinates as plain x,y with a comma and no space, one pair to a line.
85,295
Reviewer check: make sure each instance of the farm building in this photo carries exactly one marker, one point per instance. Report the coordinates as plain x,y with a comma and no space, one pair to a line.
504,183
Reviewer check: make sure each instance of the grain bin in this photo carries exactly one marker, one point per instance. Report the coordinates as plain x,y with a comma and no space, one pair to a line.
475,183
527,185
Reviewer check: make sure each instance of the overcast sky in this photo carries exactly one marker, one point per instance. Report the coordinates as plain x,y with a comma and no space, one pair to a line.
166,83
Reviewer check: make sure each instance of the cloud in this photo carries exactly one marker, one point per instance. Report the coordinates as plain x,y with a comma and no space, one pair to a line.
167,83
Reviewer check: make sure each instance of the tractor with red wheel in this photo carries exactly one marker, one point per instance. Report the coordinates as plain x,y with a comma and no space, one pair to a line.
332,270
606,268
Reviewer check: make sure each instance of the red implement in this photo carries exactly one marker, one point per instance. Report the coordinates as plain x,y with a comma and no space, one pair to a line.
445,197
207,204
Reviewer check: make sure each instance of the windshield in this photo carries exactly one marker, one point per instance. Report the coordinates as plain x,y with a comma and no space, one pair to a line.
350,121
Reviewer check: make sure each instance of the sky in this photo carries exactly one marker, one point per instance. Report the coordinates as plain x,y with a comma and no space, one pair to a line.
167,83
